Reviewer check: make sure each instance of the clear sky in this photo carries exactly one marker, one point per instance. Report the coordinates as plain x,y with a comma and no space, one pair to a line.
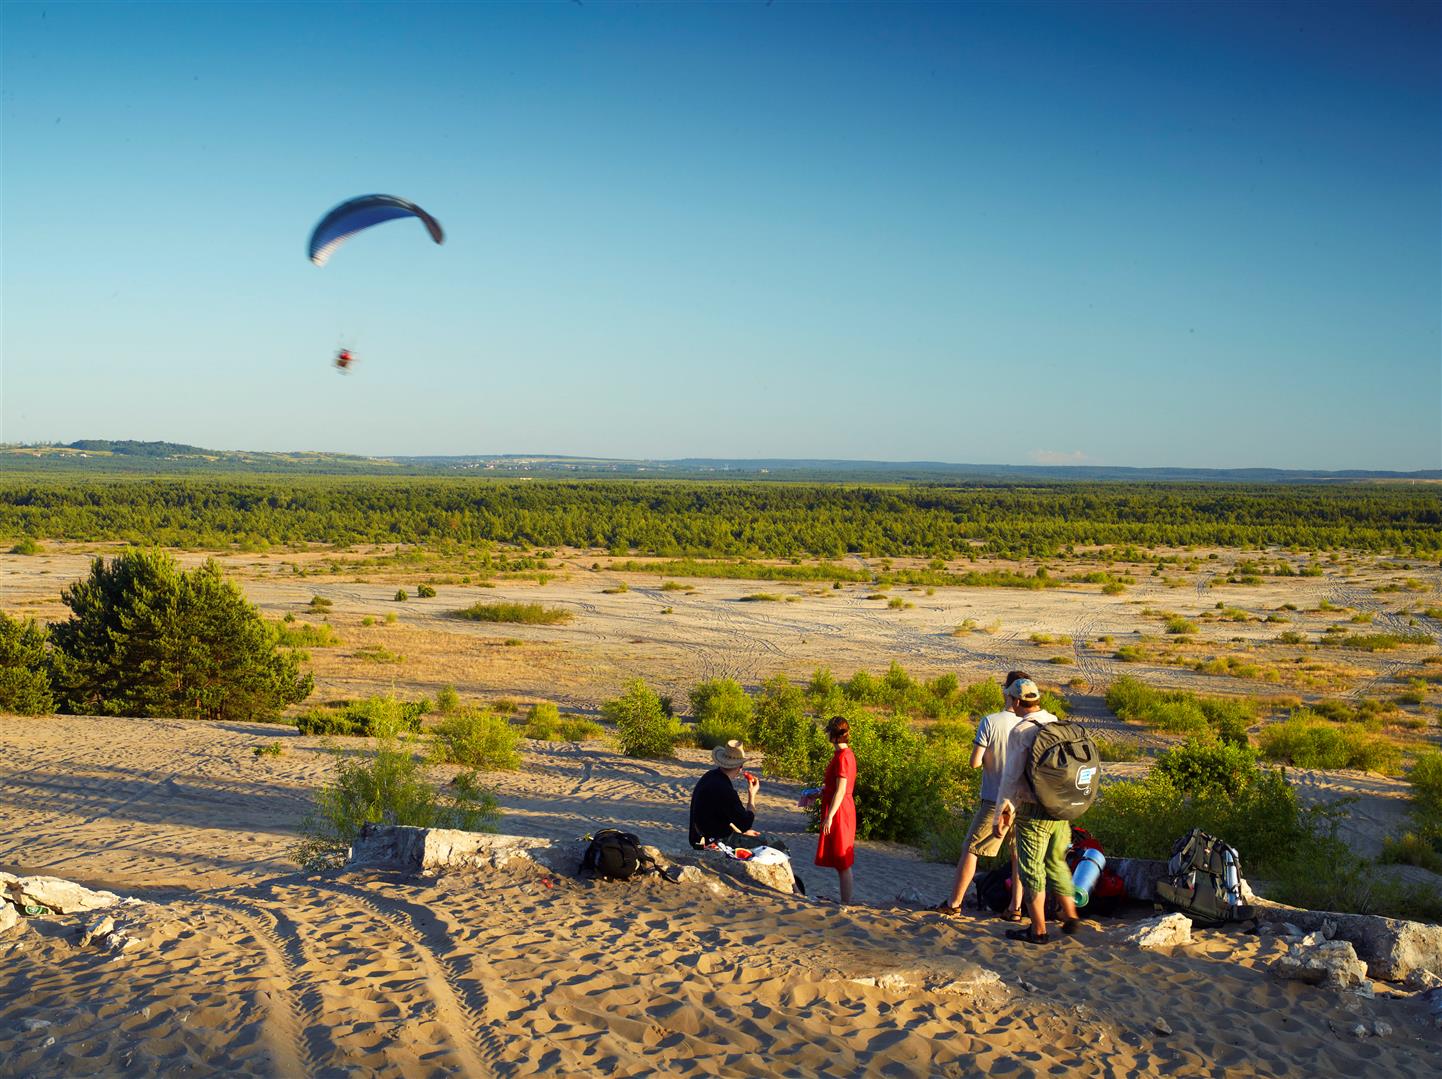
1153,234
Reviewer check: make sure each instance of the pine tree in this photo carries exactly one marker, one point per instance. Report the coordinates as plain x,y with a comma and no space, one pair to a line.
146,638
24,668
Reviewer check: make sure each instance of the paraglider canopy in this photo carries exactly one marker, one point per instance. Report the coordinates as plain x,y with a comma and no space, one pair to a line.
358,214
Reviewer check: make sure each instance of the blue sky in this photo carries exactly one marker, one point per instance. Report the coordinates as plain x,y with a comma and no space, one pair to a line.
1151,234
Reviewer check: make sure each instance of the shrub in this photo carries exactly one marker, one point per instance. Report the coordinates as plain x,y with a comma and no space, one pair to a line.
543,722
305,634
379,717
676,586
320,603
478,739
793,743
761,597
1307,741
1176,624
425,591
580,729
268,749
529,613
1426,780
387,787
905,782
722,711
642,726
145,638
375,653
24,668
1200,767
401,595
1225,718
1380,642
1413,849
26,546
1116,749
447,700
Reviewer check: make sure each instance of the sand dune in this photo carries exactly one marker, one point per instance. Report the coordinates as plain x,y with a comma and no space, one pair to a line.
250,968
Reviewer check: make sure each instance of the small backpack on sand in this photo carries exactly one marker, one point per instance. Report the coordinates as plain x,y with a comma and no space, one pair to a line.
616,855
1205,881
1064,770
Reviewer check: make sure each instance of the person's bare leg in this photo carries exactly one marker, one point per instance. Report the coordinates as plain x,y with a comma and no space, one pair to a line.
965,870
1068,907
1015,878
844,876
1036,907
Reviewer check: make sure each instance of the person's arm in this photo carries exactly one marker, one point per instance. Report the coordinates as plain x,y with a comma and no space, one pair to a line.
1016,752
741,816
980,742
835,806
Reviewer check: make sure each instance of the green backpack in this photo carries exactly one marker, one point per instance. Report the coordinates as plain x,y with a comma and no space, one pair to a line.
1064,770
1205,881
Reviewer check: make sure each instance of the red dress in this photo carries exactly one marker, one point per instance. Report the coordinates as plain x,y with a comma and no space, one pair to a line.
837,848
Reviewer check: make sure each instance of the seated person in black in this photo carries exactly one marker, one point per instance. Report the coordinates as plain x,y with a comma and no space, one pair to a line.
716,809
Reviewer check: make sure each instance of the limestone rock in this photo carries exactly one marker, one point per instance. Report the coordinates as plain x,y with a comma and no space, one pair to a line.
1166,931
968,980
685,874
1391,947
1382,1029
1421,980
9,917
98,928
60,896
1161,1026
1332,963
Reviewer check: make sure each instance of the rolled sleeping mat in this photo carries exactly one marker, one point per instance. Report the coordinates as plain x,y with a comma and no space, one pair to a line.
1084,877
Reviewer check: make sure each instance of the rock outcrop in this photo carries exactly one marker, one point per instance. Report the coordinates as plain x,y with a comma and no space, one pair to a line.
1166,931
1330,963
1391,948
55,895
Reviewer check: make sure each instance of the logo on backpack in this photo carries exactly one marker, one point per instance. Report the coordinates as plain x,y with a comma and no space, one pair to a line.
616,855
1064,770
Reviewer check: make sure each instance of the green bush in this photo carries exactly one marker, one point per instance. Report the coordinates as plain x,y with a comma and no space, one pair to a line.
376,653
580,729
1223,718
1426,780
543,722
425,591
722,711
147,639
374,717
26,546
387,787
447,700
1199,767
268,749
529,613
478,739
320,603
793,743
642,726
1413,848
1306,740
401,596
24,668
1116,749
905,781
305,634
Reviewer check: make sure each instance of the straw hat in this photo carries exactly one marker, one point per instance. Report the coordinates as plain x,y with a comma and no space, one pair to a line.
731,755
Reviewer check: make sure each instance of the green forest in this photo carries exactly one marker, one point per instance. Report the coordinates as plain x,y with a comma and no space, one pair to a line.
721,519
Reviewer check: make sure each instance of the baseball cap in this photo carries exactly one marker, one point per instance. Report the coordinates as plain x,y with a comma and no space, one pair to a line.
1024,689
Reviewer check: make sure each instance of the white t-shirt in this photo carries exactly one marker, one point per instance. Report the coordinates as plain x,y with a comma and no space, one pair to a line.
992,734
1014,787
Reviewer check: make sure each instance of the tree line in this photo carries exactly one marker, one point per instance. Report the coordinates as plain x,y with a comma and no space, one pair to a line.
723,519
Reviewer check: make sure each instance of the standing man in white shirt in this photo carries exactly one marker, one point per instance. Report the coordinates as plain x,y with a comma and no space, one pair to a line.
988,752
1041,842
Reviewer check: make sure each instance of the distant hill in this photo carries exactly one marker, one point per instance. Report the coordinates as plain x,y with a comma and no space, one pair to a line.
100,456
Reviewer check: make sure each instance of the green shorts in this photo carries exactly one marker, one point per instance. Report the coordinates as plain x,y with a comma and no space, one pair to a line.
1041,846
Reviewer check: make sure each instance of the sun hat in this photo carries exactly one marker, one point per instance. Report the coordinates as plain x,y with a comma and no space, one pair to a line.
1023,689
731,755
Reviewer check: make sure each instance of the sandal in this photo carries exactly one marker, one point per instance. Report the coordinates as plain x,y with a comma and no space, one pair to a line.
1070,925
1028,935
944,908
1014,916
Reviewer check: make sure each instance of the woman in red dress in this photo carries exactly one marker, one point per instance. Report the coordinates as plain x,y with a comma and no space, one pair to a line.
836,849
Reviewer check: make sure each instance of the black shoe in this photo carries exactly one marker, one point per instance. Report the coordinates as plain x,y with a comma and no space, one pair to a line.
1029,935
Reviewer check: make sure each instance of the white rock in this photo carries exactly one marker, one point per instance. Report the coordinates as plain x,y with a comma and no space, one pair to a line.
98,929
33,1025
1360,1031
1422,980
1161,1026
1332,963
1166,931
60,896
685,874
9,917
1382,1029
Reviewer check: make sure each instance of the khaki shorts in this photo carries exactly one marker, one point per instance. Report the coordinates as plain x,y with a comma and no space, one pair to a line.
981,840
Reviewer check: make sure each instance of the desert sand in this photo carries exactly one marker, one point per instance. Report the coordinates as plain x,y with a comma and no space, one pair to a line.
251,968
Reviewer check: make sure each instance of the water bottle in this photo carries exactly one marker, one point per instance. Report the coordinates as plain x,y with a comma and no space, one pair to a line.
1086,873
1234,886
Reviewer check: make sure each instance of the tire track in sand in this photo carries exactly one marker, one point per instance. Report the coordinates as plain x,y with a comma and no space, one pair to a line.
460,1008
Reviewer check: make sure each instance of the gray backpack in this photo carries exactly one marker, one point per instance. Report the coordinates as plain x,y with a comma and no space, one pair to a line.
1064,770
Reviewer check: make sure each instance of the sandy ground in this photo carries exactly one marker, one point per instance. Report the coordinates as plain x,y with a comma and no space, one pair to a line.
253,969
250,968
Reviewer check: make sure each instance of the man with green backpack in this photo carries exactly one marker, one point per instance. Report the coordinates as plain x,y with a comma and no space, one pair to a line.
1050,779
